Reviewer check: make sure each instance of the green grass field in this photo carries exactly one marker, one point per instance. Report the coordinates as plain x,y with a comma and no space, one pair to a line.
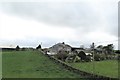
32,64
107,68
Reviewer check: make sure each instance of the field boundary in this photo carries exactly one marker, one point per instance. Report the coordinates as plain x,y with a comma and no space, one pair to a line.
77,71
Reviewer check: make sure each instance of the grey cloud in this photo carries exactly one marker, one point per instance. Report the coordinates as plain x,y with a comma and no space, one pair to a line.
30,41
74,15
69,14
81,16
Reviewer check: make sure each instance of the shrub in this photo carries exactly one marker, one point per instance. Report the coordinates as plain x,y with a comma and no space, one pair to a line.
102,56
88,58
62,55
23,49
97,57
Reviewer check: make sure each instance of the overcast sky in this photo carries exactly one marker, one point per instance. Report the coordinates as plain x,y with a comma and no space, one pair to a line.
74,22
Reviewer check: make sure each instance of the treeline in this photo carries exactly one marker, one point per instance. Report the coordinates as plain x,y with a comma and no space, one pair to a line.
8,49
18,48
117,51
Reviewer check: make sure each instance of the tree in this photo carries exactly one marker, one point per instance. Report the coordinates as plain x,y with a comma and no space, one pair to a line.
108,49
17,48
39,47
100,48
117,51
102,56
23,49
82,55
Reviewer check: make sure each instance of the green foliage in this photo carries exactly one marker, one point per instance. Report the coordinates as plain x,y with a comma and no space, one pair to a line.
39,47
102,57
117,51
23,49
109,49
88,58
32,64
97,57
82,55
17,48
62,55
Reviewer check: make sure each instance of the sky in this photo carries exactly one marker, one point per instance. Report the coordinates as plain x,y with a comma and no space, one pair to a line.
75,22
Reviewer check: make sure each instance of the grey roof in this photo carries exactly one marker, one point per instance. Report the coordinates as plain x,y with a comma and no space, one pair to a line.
59,46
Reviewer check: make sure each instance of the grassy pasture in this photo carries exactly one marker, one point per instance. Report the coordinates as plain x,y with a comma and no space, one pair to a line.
31,64
107,68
